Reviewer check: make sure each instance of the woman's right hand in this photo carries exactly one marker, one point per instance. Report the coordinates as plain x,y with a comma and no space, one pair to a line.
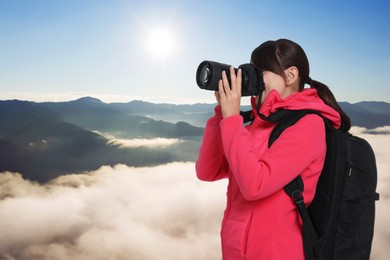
217,97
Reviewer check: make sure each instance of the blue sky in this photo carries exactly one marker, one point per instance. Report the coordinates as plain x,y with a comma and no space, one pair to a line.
64,49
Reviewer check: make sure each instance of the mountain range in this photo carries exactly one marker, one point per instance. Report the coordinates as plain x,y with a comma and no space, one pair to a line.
45,140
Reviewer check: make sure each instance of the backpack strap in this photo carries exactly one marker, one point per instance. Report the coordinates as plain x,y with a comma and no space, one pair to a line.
283,120
311,241
247,116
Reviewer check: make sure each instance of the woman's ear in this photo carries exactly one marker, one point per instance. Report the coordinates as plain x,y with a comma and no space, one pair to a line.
291,75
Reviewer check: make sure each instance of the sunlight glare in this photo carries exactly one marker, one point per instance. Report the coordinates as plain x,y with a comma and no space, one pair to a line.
161,42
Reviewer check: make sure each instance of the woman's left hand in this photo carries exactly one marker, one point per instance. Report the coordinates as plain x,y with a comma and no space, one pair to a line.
230,97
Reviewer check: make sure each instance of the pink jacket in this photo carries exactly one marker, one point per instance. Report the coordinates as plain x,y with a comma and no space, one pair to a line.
260,220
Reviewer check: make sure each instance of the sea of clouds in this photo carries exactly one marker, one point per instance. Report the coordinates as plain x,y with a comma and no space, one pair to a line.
120,212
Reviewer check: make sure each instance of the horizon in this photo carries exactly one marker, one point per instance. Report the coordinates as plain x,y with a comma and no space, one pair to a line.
149,50
124,99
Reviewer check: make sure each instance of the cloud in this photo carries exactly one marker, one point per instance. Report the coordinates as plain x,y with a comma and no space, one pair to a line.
158,142
381,146
149,143
114,213
120,212
379,130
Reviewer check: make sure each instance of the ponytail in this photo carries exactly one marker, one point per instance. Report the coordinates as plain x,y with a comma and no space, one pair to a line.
327,96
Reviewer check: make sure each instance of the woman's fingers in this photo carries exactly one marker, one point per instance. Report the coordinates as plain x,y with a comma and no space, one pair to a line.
230,93
221,90
235,80
217,97
226,85
239,82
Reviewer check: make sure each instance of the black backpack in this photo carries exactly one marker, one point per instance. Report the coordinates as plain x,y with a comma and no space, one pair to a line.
339,223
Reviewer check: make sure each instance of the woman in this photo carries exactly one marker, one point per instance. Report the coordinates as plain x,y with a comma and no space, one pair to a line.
260,220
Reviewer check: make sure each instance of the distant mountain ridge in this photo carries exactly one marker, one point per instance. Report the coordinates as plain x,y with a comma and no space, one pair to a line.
48,139
93,114
368,114
375,106
44,140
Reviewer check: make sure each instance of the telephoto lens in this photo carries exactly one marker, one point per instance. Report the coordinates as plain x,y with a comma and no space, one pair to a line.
210,72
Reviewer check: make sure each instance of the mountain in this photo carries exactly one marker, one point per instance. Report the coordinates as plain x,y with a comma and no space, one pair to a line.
41,144
140,118
44,140
375,106
196,114
368,114
95,115
364,114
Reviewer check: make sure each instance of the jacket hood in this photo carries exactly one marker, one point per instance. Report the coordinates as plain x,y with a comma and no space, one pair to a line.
305,99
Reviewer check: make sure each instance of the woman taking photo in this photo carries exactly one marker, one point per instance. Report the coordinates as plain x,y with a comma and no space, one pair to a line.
261,220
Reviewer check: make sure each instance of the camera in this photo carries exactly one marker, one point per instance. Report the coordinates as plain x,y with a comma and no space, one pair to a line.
210,72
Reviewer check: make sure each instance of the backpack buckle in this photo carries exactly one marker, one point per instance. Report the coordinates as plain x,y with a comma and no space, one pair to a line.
297,196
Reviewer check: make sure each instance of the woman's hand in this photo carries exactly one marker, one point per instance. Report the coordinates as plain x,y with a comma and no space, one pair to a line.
216,94
230,98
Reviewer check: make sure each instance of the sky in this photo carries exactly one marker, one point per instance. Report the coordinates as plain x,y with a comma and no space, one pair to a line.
122,50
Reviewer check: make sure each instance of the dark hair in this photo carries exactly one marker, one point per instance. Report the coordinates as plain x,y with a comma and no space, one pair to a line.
277,56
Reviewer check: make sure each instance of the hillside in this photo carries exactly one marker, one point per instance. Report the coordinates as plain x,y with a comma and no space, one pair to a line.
45,140
363,114
95,115
43,143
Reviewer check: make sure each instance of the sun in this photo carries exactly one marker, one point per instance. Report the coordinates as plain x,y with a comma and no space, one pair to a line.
161,42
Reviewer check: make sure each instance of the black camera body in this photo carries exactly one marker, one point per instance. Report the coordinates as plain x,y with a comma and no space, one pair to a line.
210,72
